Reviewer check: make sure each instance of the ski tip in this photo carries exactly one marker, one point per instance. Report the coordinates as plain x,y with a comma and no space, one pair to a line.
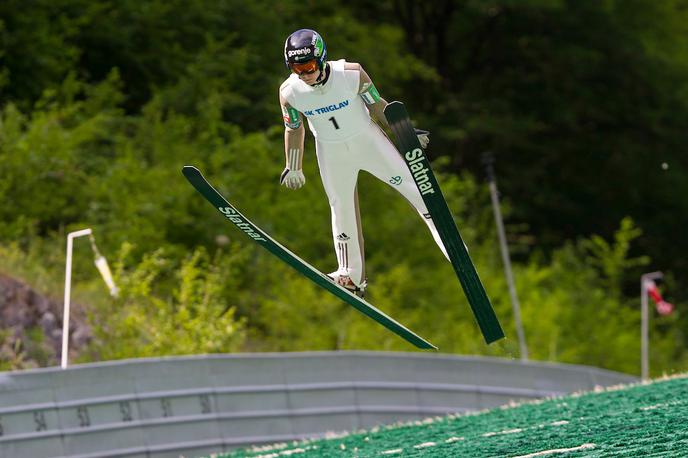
188,170
393,105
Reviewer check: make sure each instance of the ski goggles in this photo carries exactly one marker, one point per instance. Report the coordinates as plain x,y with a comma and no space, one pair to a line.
304,68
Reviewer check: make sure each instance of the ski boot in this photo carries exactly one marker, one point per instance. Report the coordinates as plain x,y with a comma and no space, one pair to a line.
345,281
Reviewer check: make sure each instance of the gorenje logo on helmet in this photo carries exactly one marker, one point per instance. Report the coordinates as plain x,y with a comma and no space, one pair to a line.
299,52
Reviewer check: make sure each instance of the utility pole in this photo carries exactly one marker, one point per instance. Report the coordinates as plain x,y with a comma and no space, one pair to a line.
101,264
488,161
67,290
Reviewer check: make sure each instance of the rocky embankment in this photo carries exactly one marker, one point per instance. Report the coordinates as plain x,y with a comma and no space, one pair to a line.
31,327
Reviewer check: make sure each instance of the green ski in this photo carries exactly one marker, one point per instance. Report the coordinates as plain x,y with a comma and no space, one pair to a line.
254,232
410,148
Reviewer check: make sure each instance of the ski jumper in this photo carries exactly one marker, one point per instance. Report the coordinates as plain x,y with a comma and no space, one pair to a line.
347,141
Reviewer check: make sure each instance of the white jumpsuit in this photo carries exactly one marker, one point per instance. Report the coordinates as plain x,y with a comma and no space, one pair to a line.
347,141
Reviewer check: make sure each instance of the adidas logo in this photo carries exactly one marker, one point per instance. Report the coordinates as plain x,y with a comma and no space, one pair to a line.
342,236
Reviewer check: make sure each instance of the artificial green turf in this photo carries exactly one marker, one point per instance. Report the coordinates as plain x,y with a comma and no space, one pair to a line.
634,421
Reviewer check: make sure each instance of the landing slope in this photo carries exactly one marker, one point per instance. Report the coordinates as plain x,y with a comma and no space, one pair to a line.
638,420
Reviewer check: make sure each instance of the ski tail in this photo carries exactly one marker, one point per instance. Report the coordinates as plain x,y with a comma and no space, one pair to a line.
427,184
262,238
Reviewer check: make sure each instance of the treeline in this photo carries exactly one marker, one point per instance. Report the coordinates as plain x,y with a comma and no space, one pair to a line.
582,103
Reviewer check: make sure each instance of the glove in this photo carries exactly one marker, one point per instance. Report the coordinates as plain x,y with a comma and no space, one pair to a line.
423,137
292,179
